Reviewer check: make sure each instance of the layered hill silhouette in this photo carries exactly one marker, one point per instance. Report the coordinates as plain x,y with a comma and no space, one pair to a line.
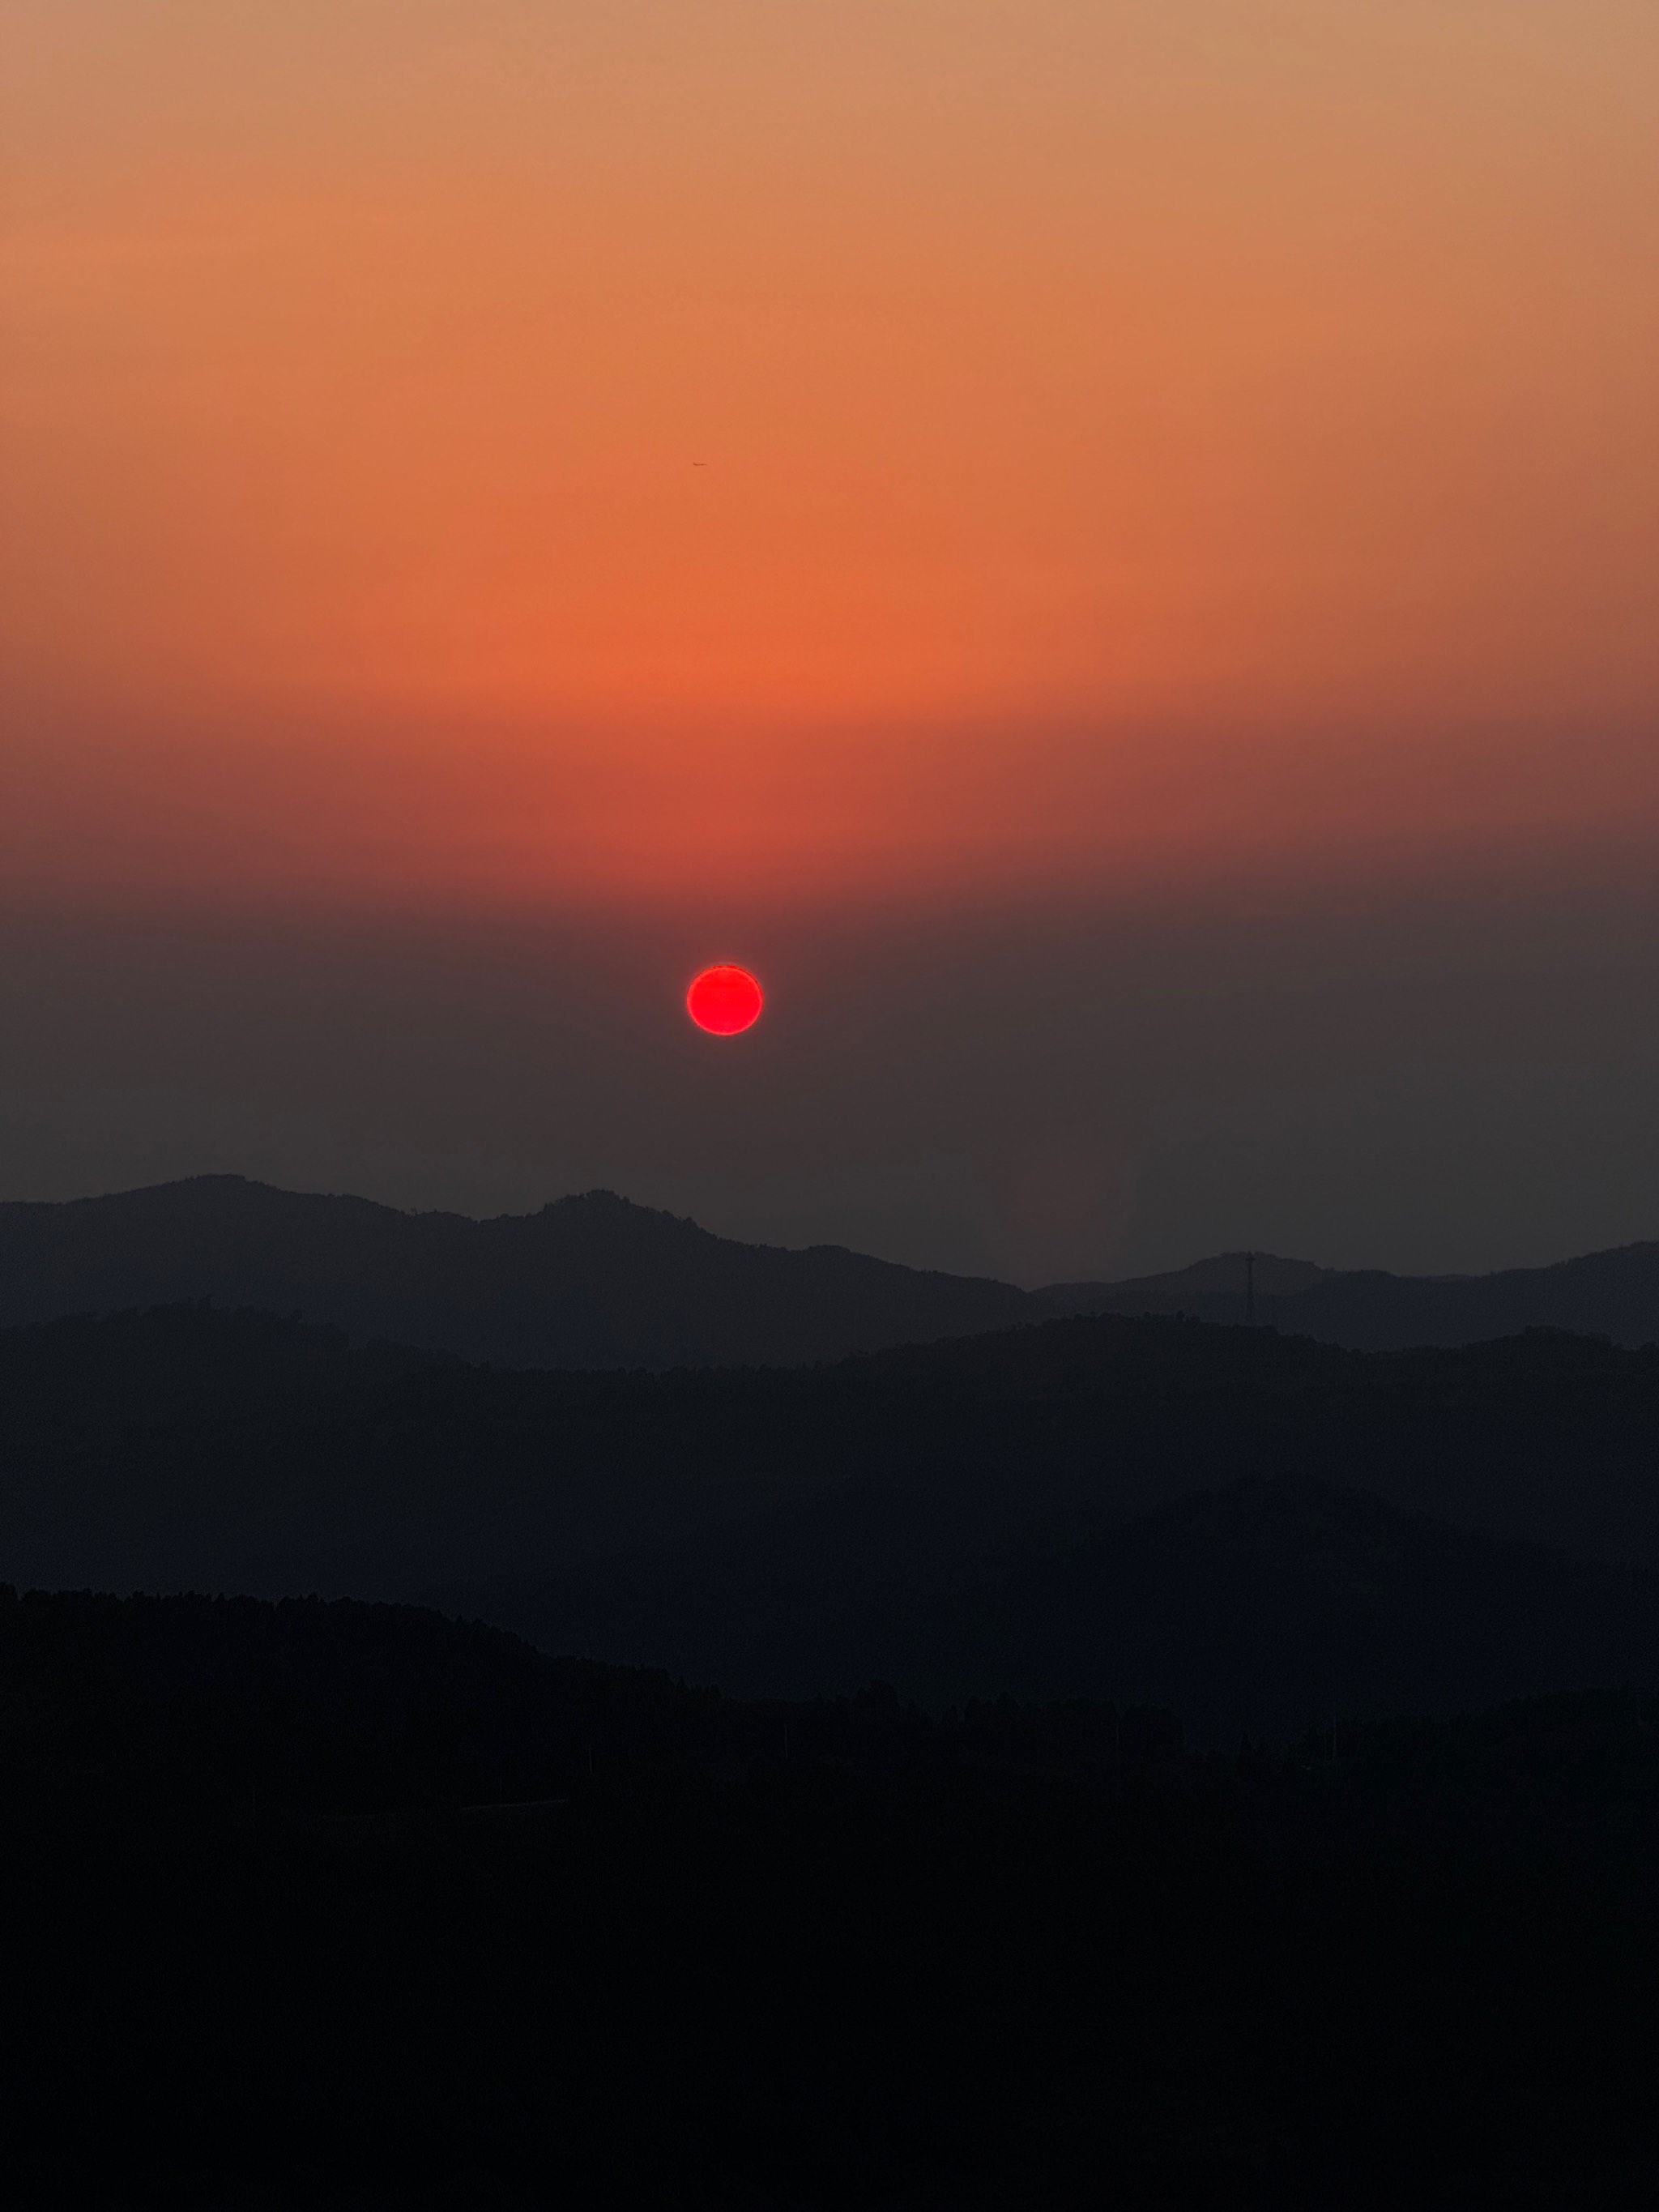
1265,1608
588,1282
1612,1294
1249,1527
1282,1601
595,1282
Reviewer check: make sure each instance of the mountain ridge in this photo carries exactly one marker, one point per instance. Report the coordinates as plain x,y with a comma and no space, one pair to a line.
1613,1293
594,1281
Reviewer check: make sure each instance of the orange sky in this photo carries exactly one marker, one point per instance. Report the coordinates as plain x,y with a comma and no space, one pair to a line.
526,450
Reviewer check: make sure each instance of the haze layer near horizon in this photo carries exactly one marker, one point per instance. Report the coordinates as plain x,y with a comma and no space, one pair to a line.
1446,1083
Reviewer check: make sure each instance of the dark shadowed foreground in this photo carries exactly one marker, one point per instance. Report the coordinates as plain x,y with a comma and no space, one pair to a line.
349,1906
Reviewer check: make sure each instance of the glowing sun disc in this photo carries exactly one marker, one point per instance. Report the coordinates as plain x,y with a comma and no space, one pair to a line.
723,1000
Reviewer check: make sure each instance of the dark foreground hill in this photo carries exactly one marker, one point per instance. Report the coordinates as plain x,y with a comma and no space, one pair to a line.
1612,1294
1154,1508
589,1282
350,1907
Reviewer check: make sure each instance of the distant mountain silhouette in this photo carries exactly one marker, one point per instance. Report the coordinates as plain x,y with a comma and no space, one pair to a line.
597,1282
1229,1287
1612,1294
588,1282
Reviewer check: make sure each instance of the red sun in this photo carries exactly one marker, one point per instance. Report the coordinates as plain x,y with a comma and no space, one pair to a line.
723,1000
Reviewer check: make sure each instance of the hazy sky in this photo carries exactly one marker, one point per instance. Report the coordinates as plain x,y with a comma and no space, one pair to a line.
1108,549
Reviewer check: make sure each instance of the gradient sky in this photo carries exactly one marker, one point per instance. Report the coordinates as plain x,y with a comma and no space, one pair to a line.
1097,545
